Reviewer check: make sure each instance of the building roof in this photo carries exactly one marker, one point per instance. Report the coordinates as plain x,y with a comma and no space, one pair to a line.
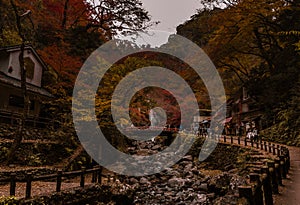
27,47
17,83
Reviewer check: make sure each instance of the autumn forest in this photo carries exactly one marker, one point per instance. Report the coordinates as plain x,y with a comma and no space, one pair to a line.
254,45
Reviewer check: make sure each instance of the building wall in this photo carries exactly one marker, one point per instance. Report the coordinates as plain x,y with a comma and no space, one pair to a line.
245,107
7,91
16,71
4,59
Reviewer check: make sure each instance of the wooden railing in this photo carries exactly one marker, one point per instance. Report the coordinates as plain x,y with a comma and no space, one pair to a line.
266,178
13,118
58,177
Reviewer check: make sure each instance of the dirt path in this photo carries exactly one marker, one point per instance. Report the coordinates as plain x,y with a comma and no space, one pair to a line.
38,188
290,191
30,141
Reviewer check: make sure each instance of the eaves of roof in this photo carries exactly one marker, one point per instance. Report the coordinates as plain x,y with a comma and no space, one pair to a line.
17,83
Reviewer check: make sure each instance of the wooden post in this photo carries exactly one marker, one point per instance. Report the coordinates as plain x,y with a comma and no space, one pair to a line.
239,140
286,153
288,159
231,139
34,121
246,142
270,147
278,171
274,149
261,146
258,194
100,175
82,177
254,178
252,142
257,145
283,167
11,119
265,143
224,138
272,170
246,192
28,185
13,184
94,175
59,180
267,186
278,150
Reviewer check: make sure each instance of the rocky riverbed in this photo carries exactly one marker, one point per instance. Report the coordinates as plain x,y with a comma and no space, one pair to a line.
184,184
214,181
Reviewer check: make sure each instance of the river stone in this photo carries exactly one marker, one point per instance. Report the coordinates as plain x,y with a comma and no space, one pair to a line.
200,199
144,181
133,181
211,195
156,147
203,187
188,167
173,182
187,158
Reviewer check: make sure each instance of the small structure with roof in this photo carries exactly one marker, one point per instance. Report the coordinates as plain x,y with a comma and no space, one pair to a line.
11,97
243,110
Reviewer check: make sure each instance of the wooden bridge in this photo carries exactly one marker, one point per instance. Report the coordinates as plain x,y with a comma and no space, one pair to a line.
165,131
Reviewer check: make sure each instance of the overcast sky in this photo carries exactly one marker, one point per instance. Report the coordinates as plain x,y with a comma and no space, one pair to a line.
171,13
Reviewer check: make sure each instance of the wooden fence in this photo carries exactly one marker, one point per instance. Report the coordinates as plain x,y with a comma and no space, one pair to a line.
266,178
58,177
13,118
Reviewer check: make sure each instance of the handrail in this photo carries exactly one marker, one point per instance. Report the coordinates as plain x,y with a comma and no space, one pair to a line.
14,117
96,171
265,182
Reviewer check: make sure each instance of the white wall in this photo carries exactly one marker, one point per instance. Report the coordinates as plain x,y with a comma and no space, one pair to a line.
14,63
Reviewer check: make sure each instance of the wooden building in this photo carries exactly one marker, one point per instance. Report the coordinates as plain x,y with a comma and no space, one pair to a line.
244,111
11,97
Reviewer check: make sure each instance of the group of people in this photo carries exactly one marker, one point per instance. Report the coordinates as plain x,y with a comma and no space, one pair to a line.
201,129
249,130
252,131
252,134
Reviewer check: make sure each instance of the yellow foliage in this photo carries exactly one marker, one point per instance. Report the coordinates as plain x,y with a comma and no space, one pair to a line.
10,37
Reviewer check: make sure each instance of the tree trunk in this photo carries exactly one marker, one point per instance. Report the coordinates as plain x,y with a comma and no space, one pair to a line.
18,134
64,21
